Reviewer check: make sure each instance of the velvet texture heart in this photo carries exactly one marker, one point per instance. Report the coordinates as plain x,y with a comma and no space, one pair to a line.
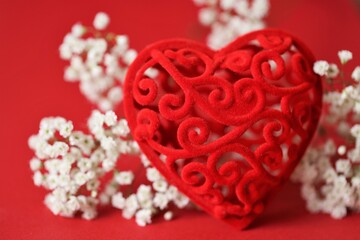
226,127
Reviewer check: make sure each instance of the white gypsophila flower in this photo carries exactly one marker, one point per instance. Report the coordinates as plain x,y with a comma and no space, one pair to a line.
329,147
64,181
356,74
84,164
38,178
108,143
339,212
92,184
168,215
207,16
321,67
101,21
314,206
160,185
110,118
118,201
151,73
122,129
354,155
229,19
108,164
115,94
96,122
123,41
35,164
80,178
88,207
343,166
329,175
66,53
341,150
172,192
89,214
134,147
143,217
56,150
161,201
65,129
152,174
355,181
345,56
355,131
308,191
129,56
77,30
53,204
124,177
147,204
227,4
181,201
110,189
333,71
73,204
104,199
84,142
143,193
144,160
131,206
310,175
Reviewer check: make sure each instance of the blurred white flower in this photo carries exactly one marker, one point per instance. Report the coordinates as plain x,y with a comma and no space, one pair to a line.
168,215
143,217
101,21
229,19
118,201
321,67
124,178
98,60
345,56
356,74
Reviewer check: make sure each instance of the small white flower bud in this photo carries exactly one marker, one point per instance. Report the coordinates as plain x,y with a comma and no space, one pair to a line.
321,67
345,56
101,21
356,74
168,215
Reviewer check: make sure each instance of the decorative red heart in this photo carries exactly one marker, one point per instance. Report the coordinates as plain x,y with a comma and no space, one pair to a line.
226,127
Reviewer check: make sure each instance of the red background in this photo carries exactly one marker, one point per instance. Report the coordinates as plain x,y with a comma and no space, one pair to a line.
32,87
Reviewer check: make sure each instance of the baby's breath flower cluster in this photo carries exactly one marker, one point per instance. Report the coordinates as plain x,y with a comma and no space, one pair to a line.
71,163
98,60
229,19
148,200
330,170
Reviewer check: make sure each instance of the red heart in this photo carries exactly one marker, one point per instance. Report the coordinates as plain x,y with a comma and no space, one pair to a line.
226,127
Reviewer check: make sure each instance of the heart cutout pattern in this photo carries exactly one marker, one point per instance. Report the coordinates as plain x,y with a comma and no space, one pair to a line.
226,127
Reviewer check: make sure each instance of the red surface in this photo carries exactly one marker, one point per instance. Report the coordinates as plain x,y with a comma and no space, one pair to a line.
32,87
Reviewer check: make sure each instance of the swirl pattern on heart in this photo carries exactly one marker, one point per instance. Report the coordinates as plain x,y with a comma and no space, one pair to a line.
226,127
